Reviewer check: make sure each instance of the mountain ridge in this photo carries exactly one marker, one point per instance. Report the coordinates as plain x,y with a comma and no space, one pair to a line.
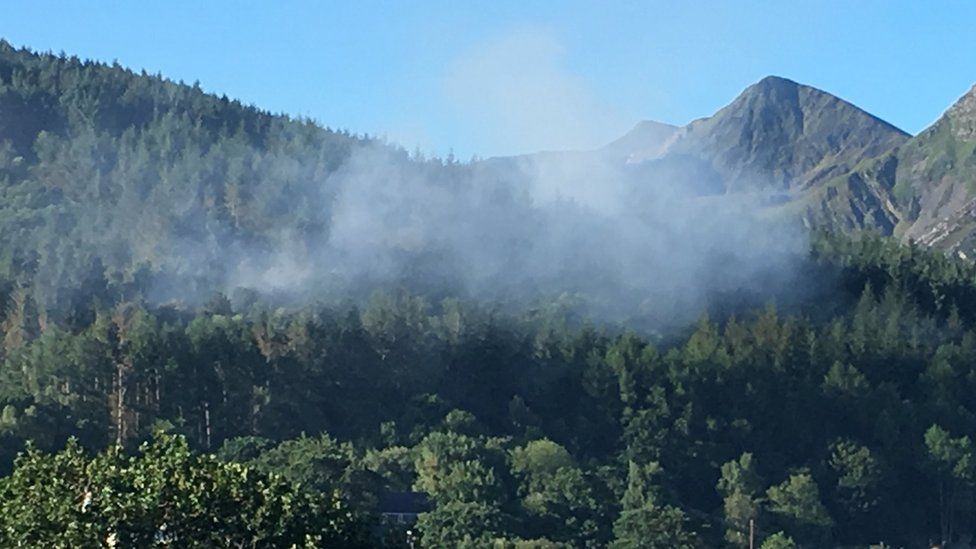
837,166
157,171
786,135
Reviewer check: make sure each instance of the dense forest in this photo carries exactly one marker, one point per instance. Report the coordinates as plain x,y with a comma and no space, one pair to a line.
847,426
141,404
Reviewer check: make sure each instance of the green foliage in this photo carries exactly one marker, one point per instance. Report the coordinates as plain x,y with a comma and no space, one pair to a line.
517,427
163,496
110,176
455,467
779,540
859,476
643,522
120,191
393,464
796,502
561,500
529,544
653,527
741,486
640,489
550,462
467,478
539,460
461,524
951,462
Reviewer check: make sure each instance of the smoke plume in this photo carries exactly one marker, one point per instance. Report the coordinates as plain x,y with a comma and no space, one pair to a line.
622,242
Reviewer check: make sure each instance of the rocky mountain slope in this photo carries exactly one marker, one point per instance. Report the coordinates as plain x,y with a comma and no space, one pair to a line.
922,190
814,156
936,179
780,135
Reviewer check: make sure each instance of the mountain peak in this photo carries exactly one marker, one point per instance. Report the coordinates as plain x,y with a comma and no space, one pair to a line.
652,125
647,129
778,133
774,98
773,81
646,140
780,92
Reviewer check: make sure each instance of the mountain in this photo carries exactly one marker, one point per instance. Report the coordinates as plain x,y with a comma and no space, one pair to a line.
815,156
114,183
788,144
923,189
645,141
109,178
936,179
799,150
781,136
848,400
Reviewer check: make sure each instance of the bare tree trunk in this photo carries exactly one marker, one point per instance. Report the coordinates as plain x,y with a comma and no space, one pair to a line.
119,411
206,420
943,513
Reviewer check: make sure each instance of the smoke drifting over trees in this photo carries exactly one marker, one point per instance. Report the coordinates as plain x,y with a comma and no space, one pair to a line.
519,229
128,201
653,240
131,186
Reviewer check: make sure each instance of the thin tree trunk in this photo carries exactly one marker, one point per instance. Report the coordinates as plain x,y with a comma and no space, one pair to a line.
206,420
119,404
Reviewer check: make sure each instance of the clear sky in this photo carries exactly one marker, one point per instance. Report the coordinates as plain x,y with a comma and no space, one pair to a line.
502,77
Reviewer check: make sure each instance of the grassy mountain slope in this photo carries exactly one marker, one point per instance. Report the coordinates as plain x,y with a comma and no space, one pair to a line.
835,166
780,135
921,190
936,178
803,151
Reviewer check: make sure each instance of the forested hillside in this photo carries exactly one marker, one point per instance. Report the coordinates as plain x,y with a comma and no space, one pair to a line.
188,356
117,184
851,429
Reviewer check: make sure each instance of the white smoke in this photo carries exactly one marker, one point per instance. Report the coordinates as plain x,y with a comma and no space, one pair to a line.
515,93
626,242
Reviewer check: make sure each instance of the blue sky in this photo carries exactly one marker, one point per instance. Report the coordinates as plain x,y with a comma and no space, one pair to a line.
504,77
